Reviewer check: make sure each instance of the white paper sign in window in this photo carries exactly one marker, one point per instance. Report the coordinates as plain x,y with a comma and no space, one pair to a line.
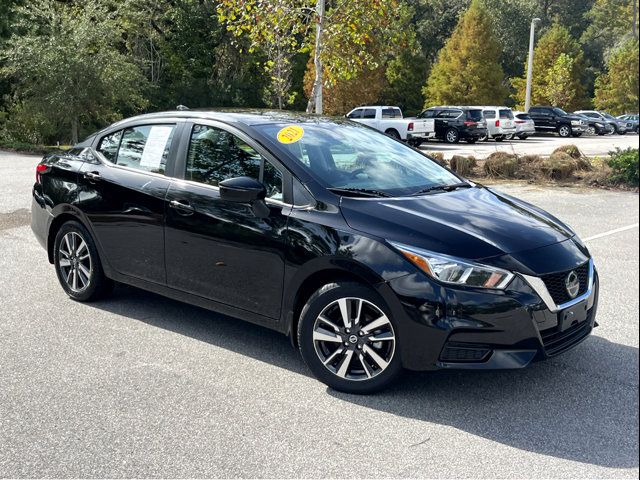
155,146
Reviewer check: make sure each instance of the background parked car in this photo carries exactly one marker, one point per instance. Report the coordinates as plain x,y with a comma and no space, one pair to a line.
596,125
391,121
618,126
524,125
500,123
632,119
554,119
622,126
453,124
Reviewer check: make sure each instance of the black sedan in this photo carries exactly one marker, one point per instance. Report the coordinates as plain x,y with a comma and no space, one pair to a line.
368,254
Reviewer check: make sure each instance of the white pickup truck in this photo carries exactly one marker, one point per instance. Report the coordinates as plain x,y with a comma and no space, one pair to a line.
390,121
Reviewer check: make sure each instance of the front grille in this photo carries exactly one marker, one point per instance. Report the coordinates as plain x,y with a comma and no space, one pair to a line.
556,342
556,284
464,353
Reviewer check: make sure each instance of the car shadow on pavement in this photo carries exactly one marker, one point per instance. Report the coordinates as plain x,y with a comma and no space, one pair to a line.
581,406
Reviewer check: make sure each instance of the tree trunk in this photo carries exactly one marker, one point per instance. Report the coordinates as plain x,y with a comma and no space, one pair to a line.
316,93
75,126
635,19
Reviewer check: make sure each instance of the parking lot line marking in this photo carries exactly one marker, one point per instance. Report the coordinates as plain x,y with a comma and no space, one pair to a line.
611,232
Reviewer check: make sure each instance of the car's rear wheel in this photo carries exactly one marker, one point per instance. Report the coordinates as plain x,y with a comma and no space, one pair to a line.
510,136
348,338
523,137
452,136
564,131
472,140
499,138
77,264
393,133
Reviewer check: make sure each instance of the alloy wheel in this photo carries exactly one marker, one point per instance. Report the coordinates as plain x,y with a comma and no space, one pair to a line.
564,131
452,136
75,262
354,339
591,130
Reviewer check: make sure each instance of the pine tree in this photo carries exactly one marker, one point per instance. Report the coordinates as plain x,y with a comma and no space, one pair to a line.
468,68
617,89
555,51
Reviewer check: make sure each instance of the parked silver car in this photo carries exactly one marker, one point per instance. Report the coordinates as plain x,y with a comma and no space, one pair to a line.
500,123
524,125
632,119
619,126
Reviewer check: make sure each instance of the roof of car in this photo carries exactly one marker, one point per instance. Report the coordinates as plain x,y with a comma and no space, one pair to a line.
248,117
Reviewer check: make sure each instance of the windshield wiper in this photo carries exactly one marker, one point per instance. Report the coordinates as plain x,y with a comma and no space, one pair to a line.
359,191
444,188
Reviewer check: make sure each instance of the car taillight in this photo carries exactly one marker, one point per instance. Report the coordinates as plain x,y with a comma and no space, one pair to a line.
468,124
497,123
40,169
521,121
410,127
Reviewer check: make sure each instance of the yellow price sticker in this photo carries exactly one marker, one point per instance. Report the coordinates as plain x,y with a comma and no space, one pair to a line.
290,134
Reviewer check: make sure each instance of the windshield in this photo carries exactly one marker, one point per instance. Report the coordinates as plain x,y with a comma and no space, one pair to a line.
559,111
607,116
351,156
506,114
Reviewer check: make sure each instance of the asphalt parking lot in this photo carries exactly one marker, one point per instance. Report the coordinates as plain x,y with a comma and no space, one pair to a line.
139,385
541,144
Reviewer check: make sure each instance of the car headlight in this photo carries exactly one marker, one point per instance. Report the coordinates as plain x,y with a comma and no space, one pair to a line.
575,122
455,271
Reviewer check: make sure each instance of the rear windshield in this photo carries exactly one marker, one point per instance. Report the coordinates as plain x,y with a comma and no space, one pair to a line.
489,114
391,113
475,115
506,114
523,116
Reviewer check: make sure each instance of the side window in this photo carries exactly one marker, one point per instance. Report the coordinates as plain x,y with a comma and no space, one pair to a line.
216,155
489,114
109,145
356,114
146,147
534,111
391,113
428,114
369,113
443,114
455,113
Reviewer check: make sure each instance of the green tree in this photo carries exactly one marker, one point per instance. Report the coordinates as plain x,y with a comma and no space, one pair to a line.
552,45
617,89
335,33
66,66
558,77
468,69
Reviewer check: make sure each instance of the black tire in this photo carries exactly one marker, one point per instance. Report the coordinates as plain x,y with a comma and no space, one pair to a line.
393,133
452,136
576,135
365,379
564,131
499,139
622,132
97,284
415,142
472,140
523,137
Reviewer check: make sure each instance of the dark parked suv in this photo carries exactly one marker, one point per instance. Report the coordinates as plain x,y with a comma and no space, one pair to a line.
368,254
554,119
453,124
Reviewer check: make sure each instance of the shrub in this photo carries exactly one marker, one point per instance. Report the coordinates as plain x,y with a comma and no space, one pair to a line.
559,166
501,165
571,150
463,165
624,166
438,157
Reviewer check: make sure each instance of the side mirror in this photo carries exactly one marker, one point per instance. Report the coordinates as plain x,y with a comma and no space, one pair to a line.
242,190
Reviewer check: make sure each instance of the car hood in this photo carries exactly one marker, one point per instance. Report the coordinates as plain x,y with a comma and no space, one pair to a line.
474,223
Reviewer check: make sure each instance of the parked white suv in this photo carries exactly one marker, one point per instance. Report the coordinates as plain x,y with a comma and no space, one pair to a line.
391,121
500,123
524,125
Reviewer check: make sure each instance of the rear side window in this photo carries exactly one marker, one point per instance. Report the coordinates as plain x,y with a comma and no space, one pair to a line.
109,146
536,110
523,116
391,113
428,114
506,113
474,115
369,113
146,147
489,114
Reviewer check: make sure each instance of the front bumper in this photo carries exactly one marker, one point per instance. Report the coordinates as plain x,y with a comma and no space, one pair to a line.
447,328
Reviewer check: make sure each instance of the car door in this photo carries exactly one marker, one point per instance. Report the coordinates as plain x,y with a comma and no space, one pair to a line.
221,250
541,117
122,194
442,119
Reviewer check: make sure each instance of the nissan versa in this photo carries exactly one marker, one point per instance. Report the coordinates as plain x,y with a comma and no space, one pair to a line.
369,255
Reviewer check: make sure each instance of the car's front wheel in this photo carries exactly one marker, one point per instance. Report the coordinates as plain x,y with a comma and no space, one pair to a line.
591,130
348,338
77,264
564,131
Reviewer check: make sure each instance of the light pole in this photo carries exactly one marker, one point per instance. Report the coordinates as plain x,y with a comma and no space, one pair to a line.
527,100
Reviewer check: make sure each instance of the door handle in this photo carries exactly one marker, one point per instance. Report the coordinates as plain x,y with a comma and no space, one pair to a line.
92,176
182,208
